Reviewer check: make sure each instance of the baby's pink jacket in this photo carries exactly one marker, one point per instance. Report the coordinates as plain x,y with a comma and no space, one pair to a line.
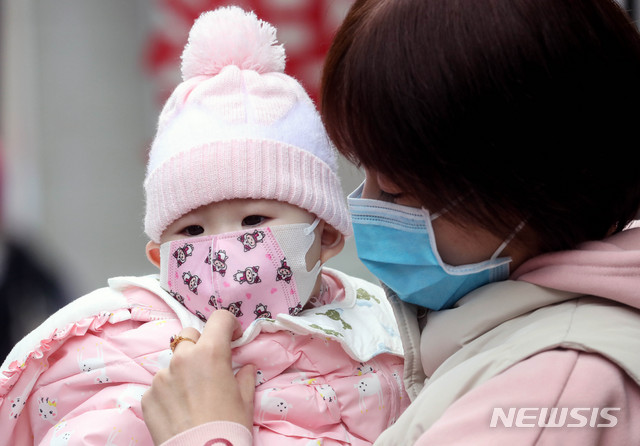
332,374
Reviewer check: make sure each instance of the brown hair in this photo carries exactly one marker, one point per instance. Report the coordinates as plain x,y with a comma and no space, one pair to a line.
526,108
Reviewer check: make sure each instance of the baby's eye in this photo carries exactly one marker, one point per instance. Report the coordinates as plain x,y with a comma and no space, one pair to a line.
253,220
193,230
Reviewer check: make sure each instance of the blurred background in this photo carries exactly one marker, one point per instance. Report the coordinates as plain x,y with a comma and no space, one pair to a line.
81,86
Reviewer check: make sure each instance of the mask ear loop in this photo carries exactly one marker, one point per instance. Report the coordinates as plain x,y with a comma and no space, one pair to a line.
508,240
446,209
312,227
305,280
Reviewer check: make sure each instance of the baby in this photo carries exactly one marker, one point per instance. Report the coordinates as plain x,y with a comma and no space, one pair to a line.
243,207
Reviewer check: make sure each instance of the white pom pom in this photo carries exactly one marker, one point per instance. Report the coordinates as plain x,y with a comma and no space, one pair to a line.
231,36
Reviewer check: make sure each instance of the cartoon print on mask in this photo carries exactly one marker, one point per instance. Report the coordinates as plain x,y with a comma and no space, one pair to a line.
249,275
182,253
218,261
294,311
177,296
251,239
234,308
284,272
239,270
201,316
262,312
192,281
213,301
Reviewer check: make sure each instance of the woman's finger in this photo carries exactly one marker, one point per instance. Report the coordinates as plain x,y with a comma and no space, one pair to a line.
221,328
187,336
246,378
190,332
199,385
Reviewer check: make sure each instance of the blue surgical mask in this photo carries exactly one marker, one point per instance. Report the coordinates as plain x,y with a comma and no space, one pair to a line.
396,243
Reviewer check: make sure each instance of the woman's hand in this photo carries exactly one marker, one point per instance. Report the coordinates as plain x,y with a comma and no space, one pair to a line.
199,385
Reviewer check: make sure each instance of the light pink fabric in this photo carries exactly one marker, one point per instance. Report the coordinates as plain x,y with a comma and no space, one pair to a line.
609,268
559,378
227,434
556,378
83,384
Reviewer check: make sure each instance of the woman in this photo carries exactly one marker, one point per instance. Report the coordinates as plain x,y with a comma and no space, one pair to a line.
495,137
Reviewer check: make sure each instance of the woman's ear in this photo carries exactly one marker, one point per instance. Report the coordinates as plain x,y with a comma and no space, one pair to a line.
331,242
387,185
153,253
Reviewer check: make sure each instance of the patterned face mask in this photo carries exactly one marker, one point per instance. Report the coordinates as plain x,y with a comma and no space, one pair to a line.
256,273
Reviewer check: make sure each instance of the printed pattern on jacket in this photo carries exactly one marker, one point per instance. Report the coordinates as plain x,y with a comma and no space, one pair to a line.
328,375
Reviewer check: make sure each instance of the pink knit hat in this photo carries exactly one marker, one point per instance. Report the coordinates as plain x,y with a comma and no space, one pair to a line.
238,127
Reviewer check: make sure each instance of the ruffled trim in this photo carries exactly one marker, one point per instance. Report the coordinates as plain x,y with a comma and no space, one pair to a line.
50,344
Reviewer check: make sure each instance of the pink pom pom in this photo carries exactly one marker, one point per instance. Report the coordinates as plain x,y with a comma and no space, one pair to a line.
231,36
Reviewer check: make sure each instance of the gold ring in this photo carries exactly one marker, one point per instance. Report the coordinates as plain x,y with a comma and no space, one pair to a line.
175,340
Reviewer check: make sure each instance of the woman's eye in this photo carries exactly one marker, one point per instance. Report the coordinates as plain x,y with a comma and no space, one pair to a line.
193,230
253,220
386,196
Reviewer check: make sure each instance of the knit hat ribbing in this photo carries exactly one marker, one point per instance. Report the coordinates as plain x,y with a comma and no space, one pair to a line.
238,127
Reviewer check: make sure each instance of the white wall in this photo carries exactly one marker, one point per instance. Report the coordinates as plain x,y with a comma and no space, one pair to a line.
77,117
76,123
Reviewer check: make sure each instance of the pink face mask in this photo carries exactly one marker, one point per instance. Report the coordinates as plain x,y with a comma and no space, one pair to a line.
257,273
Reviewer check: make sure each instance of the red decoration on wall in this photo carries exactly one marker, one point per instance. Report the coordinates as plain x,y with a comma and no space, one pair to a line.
305,27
